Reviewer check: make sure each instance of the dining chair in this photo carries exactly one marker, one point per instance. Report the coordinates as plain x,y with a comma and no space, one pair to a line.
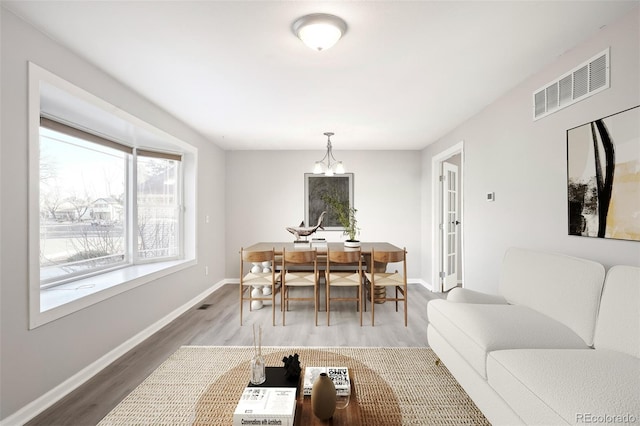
378,276
261,273
299,269
344,269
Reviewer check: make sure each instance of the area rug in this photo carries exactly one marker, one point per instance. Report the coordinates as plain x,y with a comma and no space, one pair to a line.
200,385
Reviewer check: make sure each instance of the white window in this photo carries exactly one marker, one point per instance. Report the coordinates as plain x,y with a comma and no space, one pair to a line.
82,197
108,205
158,202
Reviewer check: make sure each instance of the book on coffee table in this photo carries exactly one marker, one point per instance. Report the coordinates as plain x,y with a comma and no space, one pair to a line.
266,406
339,376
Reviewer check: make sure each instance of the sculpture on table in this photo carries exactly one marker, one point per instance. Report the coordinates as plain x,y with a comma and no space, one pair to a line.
305,231
292,367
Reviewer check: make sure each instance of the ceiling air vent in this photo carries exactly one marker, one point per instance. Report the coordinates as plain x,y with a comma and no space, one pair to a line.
581,82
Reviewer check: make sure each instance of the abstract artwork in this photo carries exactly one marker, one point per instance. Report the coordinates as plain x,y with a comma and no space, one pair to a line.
603,177
315,186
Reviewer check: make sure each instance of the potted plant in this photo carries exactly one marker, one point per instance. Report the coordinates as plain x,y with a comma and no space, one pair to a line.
346,216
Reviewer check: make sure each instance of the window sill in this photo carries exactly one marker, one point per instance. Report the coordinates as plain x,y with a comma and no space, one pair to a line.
68,298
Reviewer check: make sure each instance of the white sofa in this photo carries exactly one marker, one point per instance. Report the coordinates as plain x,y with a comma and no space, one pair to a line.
553,348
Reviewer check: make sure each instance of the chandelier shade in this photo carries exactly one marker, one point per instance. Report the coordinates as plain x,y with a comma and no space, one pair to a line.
328,164
319,31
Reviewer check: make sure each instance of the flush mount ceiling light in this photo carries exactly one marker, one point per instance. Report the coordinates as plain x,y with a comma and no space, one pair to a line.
319,31
332,166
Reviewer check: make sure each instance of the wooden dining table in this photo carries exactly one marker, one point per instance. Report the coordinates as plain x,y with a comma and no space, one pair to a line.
365,248
279,247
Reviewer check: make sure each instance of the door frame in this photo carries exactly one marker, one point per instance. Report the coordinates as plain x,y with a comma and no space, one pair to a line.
450,225
436,208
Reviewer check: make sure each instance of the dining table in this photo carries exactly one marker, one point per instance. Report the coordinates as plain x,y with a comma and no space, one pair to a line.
366,248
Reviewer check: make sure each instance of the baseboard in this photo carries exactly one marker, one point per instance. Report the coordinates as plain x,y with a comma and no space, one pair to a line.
45,401
422,282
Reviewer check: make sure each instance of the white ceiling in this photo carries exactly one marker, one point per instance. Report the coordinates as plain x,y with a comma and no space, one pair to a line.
405,73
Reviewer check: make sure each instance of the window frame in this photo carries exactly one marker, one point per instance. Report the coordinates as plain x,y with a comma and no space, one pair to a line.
136,259
55,126
49,304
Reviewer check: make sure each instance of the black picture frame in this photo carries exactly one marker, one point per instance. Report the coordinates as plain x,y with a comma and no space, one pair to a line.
603,185
315,186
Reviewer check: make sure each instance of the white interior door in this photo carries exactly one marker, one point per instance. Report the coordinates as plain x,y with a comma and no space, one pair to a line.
449,226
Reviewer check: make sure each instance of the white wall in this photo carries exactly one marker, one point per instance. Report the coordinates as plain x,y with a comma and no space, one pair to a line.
34,362
524,163
265,194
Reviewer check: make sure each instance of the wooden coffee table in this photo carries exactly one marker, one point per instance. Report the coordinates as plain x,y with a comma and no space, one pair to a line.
348,416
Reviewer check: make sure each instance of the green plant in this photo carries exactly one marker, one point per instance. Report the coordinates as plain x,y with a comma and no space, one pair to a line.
345,214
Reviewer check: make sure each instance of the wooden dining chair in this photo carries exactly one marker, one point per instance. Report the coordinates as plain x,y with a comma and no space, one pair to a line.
299,269
379,277
255,277
344,269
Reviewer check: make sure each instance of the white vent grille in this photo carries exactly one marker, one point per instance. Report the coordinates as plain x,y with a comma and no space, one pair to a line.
581,82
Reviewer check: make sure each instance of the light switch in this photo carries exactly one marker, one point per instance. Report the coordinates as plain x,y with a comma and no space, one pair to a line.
491,196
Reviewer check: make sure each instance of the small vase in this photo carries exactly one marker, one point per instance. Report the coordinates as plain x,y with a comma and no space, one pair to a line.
257,370
323,397
352,243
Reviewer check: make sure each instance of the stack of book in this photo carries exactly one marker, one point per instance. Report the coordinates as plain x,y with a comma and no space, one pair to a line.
302,244
339,376
320,243
266,406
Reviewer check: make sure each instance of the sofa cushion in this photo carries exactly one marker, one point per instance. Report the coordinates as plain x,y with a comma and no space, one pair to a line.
464,295
618,326
562,287
474,330
574,385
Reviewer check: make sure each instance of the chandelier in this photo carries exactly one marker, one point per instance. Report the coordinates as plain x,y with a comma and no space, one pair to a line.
332,166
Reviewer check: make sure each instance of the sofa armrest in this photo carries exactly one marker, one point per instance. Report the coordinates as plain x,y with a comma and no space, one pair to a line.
462,295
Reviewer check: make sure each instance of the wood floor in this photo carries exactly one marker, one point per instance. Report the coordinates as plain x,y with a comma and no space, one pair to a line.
219,325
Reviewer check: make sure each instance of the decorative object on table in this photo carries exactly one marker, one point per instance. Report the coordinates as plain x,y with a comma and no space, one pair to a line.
315,186
257,363
338,375
265,406
323,397
292,367
320,243
345,214
305,231
603,159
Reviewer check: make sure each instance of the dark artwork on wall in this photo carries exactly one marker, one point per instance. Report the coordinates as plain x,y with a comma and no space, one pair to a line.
315,186
603,177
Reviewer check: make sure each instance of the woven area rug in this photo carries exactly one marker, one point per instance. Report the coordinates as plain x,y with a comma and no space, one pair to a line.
200,385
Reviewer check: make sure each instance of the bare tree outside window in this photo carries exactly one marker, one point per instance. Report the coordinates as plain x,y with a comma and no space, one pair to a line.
79,232
158,207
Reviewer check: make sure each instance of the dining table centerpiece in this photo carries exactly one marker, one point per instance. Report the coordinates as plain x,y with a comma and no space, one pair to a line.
345,215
